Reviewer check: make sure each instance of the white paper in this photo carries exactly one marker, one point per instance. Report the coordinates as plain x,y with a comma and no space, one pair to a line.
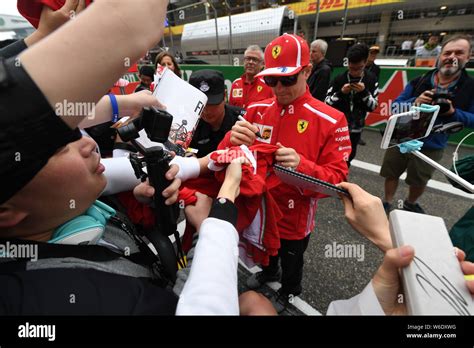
183,101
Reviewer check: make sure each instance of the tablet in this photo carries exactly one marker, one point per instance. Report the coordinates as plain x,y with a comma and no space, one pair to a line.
408,126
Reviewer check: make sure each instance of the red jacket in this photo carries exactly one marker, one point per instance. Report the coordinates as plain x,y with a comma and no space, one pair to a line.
31,10
243,93
319,134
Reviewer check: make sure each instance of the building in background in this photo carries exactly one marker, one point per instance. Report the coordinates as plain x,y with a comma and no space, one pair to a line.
387,23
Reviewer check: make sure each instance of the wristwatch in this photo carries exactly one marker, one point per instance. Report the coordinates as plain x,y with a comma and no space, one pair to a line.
224,209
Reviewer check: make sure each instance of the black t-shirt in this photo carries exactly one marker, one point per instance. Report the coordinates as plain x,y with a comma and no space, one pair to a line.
205,140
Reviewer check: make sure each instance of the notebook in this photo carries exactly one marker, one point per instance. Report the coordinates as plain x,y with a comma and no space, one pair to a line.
434,283
306,182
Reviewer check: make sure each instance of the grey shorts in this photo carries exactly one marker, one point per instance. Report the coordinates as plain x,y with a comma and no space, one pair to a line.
418,171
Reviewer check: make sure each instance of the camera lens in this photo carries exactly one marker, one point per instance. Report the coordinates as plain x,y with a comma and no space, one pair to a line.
128,132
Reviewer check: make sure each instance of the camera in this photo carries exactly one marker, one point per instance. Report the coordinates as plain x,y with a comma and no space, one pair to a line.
155,122
442,99
157,125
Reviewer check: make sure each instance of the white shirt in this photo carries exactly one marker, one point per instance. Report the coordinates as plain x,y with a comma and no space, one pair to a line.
406,45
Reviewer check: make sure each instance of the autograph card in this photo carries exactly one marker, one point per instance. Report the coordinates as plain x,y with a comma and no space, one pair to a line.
183,101
434,282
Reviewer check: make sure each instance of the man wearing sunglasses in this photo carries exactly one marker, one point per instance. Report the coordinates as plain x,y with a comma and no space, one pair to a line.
247,88
312,138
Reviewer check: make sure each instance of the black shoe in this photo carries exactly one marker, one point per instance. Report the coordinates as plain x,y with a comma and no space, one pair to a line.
413,207
256,280
362,142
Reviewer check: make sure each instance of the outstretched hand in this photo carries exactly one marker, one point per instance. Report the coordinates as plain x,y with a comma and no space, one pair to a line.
366,215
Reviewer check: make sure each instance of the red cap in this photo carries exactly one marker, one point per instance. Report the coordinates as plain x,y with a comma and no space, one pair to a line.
31,9
286,55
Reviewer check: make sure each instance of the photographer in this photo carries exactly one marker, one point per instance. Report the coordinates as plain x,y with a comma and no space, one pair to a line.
31,132
354,92
452,89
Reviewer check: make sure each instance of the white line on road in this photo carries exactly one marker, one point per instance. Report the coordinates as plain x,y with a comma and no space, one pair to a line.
437,185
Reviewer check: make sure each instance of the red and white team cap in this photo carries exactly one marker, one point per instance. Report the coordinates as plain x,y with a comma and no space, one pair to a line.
285,56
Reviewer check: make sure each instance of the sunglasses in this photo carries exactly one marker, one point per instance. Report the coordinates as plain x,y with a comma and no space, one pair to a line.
286,81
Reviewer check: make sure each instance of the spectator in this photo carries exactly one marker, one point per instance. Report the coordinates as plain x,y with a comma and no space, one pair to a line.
449,76
217,117
248,89
146,75
406,47
354,92
166,59
320,77
430,49
311,137
371,66
374,69
419,42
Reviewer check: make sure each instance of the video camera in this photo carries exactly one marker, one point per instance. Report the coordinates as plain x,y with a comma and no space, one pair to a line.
157,124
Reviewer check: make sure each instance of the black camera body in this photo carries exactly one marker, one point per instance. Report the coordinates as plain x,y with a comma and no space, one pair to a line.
442,99
157,125
155,122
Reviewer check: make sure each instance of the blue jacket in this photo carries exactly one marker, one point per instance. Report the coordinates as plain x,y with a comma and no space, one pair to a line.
463,104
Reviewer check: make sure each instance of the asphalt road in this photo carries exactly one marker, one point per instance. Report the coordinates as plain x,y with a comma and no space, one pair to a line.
328,278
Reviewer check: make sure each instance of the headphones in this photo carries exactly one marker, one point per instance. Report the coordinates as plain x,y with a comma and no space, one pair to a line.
84,229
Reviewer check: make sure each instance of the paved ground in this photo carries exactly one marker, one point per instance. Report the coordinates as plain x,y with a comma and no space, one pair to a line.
327,279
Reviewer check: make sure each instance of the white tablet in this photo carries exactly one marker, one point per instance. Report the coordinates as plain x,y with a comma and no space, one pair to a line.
412,125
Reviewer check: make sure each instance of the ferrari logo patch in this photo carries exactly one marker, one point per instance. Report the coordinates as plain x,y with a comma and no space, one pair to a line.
276,51
259,89
302,125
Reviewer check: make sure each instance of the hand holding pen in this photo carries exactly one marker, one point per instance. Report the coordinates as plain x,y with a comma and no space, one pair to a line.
243,132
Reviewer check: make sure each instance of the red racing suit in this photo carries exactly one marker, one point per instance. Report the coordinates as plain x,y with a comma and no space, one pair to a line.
243,93
320,136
